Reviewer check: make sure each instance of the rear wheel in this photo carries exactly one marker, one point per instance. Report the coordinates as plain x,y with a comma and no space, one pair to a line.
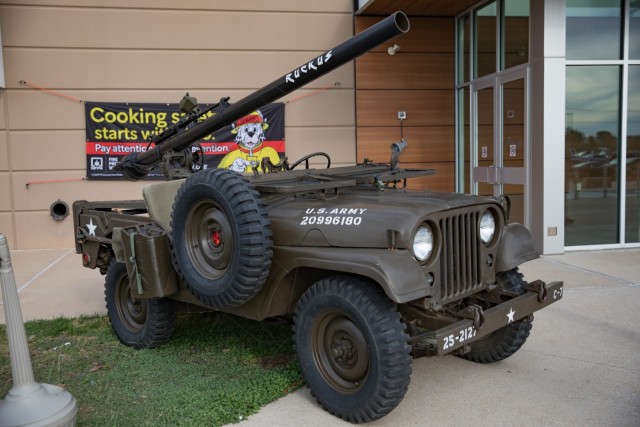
505,341
352,348
138,323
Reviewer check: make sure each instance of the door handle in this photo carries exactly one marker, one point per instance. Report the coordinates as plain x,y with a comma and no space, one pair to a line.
489,174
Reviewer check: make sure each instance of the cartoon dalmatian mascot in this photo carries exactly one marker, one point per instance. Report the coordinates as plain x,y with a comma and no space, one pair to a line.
249,132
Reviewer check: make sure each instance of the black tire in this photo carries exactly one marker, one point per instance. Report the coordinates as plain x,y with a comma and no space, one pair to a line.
221,238
138,323
352,348
505,341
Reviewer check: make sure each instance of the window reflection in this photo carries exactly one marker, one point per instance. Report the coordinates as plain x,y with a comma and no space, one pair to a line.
516,33
632,229
485,39
464,153
593,29
485,128
591,168
514,139
464,48
634,30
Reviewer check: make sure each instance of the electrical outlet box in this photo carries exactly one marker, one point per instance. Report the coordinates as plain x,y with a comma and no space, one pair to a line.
402,115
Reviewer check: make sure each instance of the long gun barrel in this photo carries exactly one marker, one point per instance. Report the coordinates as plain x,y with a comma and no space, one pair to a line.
135,166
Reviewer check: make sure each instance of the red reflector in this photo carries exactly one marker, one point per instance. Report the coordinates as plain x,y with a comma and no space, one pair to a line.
86,259
216,238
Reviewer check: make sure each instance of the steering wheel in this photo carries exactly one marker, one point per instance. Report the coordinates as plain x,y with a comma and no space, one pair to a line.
306,158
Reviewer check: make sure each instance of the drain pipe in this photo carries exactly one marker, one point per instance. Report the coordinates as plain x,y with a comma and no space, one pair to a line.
28,403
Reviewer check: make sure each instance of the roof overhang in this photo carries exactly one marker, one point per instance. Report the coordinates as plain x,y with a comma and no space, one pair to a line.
413,8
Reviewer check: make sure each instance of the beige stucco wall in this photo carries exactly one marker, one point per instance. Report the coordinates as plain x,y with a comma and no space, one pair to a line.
149,51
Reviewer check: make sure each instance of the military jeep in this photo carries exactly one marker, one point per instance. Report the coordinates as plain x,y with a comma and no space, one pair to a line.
369,273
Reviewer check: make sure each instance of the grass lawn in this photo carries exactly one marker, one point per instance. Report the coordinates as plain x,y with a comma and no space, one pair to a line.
217,369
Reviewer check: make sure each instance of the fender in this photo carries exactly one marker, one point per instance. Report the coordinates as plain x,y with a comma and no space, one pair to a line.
516,247
399,275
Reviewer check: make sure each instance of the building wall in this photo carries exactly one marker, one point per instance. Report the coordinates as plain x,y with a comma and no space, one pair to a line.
149,51
418,79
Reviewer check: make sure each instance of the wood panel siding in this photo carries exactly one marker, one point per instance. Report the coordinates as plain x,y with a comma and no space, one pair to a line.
128,28
405,72
147,69
5,190
443,180
418,79
330,6
432,147
4,154
423,107
425,35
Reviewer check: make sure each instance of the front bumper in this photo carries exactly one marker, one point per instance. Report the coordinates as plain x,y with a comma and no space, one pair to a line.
459,334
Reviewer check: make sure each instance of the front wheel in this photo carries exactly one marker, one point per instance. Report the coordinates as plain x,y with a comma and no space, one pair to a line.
138,323
352,348
505,341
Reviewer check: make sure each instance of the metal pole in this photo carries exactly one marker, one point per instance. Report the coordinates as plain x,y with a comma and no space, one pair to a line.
28,403
18,349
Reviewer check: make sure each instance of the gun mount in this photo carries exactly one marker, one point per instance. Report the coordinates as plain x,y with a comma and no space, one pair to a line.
136,166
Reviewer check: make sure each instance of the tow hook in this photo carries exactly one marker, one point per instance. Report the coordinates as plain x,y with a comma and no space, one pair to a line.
537,286
475,313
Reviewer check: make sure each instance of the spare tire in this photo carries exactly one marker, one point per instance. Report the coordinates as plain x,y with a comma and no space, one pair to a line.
220,238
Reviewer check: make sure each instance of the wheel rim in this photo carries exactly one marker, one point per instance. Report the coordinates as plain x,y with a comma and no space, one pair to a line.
340,352
208,240
132,311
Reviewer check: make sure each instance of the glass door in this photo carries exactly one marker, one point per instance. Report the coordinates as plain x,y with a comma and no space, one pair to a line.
484,173
500,143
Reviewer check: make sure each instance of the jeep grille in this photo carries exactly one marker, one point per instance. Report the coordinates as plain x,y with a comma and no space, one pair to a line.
460,257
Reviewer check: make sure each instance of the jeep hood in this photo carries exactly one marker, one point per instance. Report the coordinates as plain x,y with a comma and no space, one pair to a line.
360,218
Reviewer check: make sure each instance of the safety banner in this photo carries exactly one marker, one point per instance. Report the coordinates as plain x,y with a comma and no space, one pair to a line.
114,130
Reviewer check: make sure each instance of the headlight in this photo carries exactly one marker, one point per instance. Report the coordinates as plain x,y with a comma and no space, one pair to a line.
423,243
487,227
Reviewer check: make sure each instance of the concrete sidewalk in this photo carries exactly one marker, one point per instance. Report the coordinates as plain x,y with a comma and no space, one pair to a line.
53,283
580,366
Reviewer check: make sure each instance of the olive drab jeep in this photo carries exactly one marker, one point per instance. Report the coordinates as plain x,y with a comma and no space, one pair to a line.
370,274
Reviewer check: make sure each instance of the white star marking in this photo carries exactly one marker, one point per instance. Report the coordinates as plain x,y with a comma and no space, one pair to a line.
510,315
91,227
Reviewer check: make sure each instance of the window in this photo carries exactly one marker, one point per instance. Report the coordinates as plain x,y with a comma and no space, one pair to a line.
464,49
591,144
491,38
602,140
594,29
632,199
485,40
634,30
516,33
